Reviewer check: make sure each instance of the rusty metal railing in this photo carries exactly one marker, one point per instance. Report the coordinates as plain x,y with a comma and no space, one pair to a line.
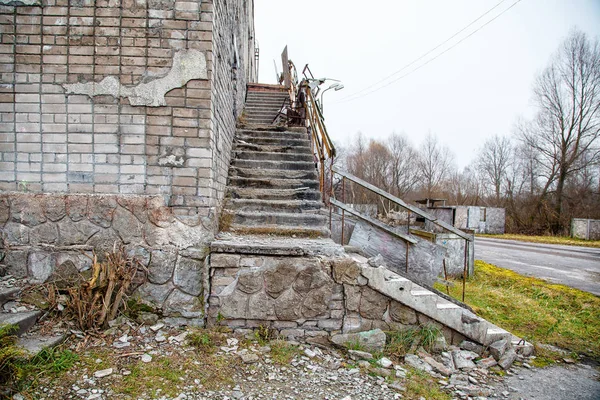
399,202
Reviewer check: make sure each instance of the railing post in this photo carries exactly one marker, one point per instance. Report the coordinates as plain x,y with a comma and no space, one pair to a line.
465,269
330,191
343,201
407,246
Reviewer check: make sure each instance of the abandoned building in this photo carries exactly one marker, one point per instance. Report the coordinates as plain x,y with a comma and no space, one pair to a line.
140,122
489,220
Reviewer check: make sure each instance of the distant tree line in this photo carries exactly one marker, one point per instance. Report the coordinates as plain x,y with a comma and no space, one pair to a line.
544,173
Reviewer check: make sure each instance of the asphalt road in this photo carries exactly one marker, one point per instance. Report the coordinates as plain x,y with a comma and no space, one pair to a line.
574,266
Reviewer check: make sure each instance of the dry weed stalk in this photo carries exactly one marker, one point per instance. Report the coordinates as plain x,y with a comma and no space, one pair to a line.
98,300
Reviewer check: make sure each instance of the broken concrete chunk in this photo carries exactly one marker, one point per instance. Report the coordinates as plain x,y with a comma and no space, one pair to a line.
470,346
508,359
463,359
360,355
415,362
498,348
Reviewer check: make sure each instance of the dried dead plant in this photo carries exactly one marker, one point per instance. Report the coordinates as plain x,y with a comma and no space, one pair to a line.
98,300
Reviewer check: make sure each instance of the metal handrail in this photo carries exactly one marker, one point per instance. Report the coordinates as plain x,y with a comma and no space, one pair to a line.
408,240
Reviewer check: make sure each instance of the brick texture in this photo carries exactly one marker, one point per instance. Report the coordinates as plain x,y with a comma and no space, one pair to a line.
53,142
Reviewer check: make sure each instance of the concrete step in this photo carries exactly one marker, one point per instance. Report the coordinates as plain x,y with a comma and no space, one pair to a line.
272,156
288,206
273,141
269,183
7,294
273,164
241,145
275,246
280,230
253,108
249,218
259,121
262,114
34,344
24,320
273,194
274,131
272,173
254,96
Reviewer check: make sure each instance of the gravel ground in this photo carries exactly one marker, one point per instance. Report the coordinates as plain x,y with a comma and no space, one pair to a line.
565,382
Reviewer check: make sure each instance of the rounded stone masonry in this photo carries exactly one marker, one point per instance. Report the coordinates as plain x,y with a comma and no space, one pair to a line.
44,234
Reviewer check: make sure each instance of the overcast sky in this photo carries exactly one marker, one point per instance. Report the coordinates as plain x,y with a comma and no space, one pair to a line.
475,90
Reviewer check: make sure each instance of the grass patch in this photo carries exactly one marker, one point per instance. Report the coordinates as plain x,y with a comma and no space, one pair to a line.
421,385
282,352
566,240
536,310
400,342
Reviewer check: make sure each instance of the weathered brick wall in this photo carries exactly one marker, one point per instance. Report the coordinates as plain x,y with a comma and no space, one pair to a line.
55,141
234,67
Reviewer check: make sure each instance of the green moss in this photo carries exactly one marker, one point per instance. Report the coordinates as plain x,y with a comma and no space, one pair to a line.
534,309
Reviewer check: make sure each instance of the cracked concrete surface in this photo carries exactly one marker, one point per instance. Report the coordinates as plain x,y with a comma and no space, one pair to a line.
21,2
187,65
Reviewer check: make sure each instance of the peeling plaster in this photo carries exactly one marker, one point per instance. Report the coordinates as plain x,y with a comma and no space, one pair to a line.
187,65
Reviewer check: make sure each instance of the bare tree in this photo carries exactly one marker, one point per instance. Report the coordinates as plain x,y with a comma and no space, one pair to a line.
493,163
567,126
435,163
403,167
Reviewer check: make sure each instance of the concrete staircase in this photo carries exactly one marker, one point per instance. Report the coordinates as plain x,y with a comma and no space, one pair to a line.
25,321
263,103
439,309
273,187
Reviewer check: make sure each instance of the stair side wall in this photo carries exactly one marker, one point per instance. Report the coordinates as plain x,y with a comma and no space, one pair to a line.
303,297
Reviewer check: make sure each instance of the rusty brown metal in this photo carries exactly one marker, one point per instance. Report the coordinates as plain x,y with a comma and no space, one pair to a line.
343,201
446,276
465,269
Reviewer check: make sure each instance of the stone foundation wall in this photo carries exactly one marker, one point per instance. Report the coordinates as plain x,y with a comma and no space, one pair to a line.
302,298
42,232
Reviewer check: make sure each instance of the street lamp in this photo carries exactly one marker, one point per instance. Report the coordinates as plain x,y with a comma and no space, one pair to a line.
335,86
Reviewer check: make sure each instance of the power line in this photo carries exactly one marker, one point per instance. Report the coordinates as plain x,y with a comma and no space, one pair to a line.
356,95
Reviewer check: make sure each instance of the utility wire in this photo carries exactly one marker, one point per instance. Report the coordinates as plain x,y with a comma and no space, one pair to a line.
357,95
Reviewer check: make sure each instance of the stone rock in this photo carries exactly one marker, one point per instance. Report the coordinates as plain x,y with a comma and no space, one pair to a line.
372,341
415,362
103,373
66,275
188,275
439,344
312,277
382,372
182,304
249,358
76,206
372,304
352,294
75,233
316,302
287,306
487,362
128,227
101,210
508,358
161,266
260,307
147,318
146,358
26,209
15,263
346,271
437,366
135,205
40,266
4,209
498,348
463,359
470,346
385,362
360,355
309,353
279,278
43,234
54,207
234,305
154,295
250,280
403,314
